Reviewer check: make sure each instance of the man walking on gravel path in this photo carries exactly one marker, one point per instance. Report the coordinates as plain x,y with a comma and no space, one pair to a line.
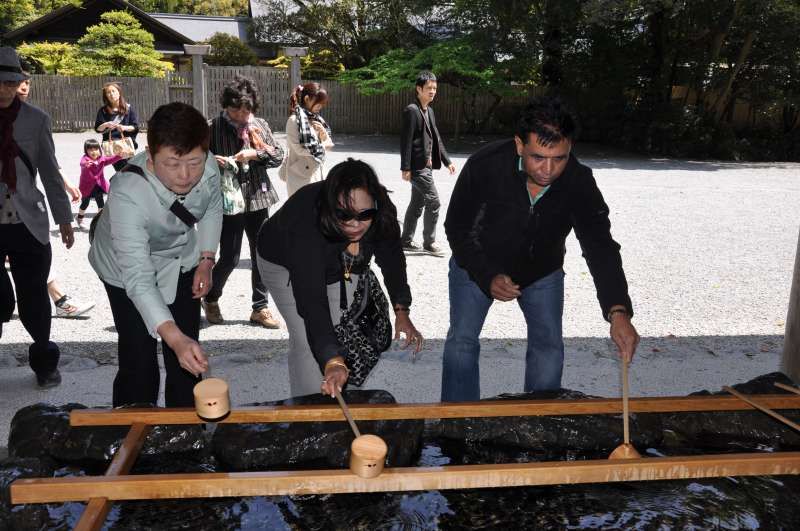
512,208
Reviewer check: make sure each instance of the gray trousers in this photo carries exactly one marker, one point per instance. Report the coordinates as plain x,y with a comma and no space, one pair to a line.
305,377
423,196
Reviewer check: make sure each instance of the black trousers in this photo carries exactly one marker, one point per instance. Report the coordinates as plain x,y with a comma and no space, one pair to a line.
30,264
137,379
230,247
97,195
423,196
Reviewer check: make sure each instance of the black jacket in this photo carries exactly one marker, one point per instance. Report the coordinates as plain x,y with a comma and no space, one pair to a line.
493,229
412,141
292,238
130,118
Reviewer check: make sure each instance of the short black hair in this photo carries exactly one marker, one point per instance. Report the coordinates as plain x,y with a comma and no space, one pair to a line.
550,119
91,143
178,125
423,77
242,91
341,181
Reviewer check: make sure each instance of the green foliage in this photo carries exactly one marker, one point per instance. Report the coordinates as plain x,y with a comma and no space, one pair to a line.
16,13
227,50
320,65
117,46
48,57
221,8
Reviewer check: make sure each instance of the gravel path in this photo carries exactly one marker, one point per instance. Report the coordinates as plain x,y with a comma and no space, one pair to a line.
708,250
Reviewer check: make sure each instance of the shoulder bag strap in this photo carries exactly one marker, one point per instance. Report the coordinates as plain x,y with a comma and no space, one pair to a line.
177,208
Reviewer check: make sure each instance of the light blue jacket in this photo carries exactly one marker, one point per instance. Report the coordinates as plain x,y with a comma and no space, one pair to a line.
141,246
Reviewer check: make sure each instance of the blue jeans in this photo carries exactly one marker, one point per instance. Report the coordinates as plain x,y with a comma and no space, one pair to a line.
542,304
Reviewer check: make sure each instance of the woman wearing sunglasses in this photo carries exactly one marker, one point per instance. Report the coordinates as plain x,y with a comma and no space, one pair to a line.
313,250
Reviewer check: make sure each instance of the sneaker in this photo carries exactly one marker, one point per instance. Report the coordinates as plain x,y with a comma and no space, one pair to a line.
264,318
213,315
79,221
65,307
411,246
48,380
433,249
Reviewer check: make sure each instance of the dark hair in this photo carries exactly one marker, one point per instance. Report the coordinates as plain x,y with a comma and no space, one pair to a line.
90,143
423,77
550,119
178,125
123,105
241,91
312,90
335,193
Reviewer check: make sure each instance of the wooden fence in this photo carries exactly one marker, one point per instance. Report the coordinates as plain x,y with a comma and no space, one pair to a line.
72,102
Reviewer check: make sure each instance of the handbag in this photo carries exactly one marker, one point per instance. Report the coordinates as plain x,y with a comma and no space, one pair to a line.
121,146
365,331
232,198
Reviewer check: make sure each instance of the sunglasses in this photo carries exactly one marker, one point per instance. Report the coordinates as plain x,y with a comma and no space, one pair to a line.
348,215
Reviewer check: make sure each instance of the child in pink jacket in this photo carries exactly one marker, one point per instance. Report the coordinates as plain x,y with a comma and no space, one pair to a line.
93,183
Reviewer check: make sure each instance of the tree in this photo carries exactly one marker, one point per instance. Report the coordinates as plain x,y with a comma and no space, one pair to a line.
355,31
227,50
220,8
16,13
118,46
49,57
320,65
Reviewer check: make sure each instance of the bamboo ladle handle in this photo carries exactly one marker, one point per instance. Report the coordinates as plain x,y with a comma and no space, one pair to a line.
346,411
785,387
626,430
763,408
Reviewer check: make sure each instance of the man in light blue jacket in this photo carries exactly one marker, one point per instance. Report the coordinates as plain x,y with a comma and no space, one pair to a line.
154,247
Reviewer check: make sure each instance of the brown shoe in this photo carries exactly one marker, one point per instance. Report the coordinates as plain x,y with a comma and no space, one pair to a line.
213,315
264,318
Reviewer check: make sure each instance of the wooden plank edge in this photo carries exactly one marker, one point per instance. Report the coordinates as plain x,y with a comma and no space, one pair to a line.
96,511
214,485
499,408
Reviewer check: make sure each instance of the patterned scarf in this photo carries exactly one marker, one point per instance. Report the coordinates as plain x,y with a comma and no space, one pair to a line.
307,138
9,150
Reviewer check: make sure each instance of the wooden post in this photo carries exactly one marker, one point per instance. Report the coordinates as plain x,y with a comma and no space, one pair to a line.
790,361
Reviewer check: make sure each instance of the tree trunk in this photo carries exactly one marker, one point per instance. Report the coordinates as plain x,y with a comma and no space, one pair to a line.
722,102
790,361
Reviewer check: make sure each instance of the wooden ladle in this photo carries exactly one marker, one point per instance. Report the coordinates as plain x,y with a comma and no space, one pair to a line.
626,449
367,452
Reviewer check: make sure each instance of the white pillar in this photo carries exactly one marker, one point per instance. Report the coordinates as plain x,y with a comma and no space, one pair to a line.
790,362
197,51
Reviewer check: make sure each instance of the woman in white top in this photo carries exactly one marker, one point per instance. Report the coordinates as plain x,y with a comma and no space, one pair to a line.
308,137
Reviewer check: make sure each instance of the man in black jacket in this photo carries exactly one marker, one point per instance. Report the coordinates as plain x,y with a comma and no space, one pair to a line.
421,152
512,208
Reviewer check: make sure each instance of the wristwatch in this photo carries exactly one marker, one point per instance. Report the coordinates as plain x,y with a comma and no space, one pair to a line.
616,310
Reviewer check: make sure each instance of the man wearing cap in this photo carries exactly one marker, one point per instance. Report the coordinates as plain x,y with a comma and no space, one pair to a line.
26,148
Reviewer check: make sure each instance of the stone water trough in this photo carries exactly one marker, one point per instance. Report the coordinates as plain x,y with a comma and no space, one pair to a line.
42,444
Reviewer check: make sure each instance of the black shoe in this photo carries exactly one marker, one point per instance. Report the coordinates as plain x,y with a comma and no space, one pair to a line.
411,246
433,249
49,379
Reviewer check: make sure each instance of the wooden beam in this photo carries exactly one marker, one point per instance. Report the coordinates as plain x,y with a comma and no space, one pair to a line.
96,511
212,485
486,408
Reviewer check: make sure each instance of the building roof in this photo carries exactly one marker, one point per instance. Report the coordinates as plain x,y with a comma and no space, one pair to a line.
69,22
200,28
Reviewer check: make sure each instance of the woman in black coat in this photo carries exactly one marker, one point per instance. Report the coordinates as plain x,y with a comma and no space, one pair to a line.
116,119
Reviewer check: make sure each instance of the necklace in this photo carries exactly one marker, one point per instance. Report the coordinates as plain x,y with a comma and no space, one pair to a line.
347,264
